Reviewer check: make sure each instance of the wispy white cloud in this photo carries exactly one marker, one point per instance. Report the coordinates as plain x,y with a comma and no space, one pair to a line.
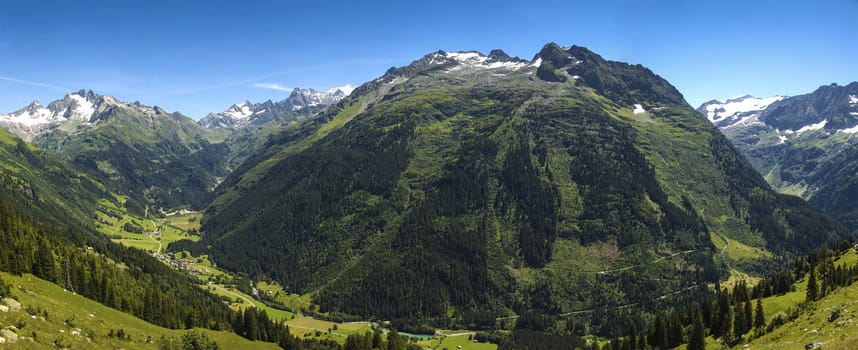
34,83
272,86
254,81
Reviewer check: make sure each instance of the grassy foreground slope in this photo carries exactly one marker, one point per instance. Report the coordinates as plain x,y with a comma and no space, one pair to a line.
51,315
830,320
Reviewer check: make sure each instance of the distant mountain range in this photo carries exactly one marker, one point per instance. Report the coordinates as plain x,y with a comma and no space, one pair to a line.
85,107
805,145
159,159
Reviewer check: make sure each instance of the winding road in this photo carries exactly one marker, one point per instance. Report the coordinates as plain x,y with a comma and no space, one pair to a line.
603,272
152,236
249,302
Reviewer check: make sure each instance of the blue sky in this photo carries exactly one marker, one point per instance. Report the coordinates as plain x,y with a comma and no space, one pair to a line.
197,57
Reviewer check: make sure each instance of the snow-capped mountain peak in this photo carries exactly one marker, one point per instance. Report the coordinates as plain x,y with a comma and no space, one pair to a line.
35,117
304,101
475,60
345,90
83,107
736,111
302,98
31,115
240,111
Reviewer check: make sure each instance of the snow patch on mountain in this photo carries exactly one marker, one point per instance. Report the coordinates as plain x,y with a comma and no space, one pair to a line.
76,107
32,115
239,111
718,112
84,109
638,109
476,60
346,90
852,130
815,126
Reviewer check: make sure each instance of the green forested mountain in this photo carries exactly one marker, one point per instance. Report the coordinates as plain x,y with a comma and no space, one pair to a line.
158,159
45,186
464,188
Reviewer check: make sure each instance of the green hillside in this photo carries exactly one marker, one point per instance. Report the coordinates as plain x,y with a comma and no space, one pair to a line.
828,320
808,304
52,317
47,219
46,186
157,159
447,194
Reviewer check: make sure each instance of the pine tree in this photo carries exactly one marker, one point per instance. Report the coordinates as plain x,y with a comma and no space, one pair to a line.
251,324
697,340
377,341
707,310
724,316
738,320
812,288
633,337
658,338
351,342
749,317
675,333
394,341
759,317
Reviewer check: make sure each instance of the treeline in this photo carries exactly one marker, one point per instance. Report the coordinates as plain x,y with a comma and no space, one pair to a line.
125,279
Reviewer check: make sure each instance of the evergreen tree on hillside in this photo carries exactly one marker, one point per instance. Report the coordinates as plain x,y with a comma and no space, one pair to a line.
633,337
394,341
748,317
697,341
812,287
658,338
724,316
759,317
738,320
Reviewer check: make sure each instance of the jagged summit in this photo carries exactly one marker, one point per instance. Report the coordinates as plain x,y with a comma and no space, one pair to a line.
460,62
35,118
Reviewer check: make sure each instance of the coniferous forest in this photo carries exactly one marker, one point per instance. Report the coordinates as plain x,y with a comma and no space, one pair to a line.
126,279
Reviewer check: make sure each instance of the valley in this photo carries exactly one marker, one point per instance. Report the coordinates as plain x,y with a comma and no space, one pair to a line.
461,200
171,227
